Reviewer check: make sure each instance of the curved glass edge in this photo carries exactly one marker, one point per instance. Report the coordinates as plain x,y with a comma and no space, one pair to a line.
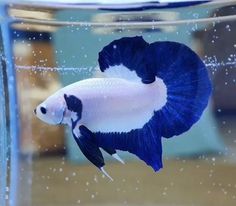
14,130
3,132
119,5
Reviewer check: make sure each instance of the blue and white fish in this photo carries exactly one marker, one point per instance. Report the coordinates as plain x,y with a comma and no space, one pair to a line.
149,91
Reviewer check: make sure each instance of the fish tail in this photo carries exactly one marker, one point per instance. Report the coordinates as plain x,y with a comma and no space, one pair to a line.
187,85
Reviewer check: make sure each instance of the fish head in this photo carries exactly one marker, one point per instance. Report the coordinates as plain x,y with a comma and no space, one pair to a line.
52,110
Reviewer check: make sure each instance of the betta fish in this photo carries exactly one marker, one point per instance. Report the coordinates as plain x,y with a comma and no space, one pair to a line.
149,91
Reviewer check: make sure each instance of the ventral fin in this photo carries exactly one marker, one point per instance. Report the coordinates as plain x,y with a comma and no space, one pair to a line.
118,158
88,147
114,154
105,173
85,140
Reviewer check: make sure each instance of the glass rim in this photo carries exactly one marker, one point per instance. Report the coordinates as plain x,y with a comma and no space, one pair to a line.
116,4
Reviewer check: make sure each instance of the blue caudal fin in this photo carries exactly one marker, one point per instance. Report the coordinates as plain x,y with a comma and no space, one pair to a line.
187,82
188,90
182,71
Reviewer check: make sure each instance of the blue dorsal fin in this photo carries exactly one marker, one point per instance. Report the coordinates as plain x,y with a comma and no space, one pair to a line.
128,52
187,82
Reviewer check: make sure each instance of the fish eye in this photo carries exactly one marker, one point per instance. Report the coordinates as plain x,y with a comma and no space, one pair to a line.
43,110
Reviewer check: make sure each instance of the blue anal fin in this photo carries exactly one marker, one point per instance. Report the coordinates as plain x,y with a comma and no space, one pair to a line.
145,143
109,151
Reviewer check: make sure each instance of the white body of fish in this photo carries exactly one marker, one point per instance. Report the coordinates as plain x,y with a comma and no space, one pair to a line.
115,104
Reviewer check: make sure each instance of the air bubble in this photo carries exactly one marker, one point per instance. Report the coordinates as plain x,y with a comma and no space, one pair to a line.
181,169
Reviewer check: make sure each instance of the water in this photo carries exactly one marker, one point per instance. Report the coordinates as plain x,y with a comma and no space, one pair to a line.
47,46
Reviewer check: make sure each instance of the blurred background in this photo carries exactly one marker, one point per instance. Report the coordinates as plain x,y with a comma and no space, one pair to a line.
52,49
